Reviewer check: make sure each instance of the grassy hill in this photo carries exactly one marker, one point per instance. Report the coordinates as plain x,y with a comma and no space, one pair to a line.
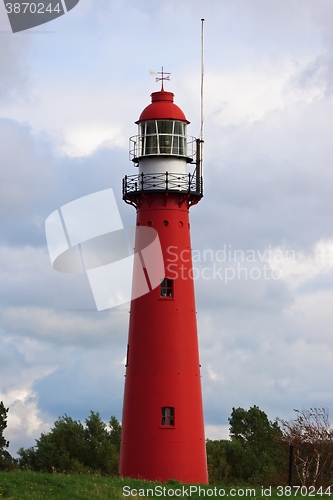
18,485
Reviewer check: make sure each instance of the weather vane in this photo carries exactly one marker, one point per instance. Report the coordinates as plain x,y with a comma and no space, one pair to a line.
164,76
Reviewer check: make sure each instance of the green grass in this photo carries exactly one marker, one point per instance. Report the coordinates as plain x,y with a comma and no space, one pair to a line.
19,485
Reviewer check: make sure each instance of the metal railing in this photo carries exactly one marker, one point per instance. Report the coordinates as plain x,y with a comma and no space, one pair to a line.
166,181
162,144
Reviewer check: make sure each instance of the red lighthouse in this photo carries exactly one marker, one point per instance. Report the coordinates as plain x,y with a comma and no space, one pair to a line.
162,424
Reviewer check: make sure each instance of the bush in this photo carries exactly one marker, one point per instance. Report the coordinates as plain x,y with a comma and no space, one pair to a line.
6,461
73,447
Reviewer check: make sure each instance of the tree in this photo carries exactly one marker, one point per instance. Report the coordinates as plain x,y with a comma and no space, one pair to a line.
73,447
312,437
115,432
253,427
218,467
256,453
5,458
60,449
101,453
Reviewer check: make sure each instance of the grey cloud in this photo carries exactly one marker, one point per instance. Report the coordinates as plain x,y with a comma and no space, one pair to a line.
14,73
11,359
277,181
275,373
66,327
25,172
90,380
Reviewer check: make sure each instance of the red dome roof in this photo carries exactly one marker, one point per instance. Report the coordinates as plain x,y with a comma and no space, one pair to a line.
162,107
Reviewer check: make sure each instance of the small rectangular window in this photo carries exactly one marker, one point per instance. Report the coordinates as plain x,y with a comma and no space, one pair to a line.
165,126
142,128
151,145
151,127
167,288
180,128
168,416
175,145
165,143
140,146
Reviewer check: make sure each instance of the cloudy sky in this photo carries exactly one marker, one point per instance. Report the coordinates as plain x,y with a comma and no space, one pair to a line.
70,92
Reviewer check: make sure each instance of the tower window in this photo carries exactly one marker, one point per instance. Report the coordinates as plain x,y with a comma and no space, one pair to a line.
167,288
168,415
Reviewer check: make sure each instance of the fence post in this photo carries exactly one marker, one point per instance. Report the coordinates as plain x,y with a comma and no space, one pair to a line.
291,464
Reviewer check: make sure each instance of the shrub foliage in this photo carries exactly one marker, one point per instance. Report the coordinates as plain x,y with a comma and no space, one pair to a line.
5,458
73,447
311,434
255,454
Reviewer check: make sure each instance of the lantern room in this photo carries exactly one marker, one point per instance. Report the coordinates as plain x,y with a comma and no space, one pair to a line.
162,131
163,152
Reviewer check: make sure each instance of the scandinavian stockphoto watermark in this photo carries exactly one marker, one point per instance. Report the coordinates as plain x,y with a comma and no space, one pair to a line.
23,15
227,263
87,236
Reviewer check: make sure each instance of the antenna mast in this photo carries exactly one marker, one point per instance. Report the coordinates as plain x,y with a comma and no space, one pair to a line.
202,81
200,141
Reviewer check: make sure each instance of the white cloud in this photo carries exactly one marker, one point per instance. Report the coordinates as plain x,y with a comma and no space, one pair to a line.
248,94
23,363
297,267
25,421
212,375
217,432
84,141
314,315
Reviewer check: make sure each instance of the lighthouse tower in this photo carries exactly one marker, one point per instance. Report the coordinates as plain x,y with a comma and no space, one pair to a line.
162,424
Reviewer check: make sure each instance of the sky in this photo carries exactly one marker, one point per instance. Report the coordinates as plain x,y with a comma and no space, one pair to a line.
262,236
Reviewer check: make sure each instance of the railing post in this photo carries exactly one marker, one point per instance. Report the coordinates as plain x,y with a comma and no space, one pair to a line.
166,181
142,182
189,183
198,162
